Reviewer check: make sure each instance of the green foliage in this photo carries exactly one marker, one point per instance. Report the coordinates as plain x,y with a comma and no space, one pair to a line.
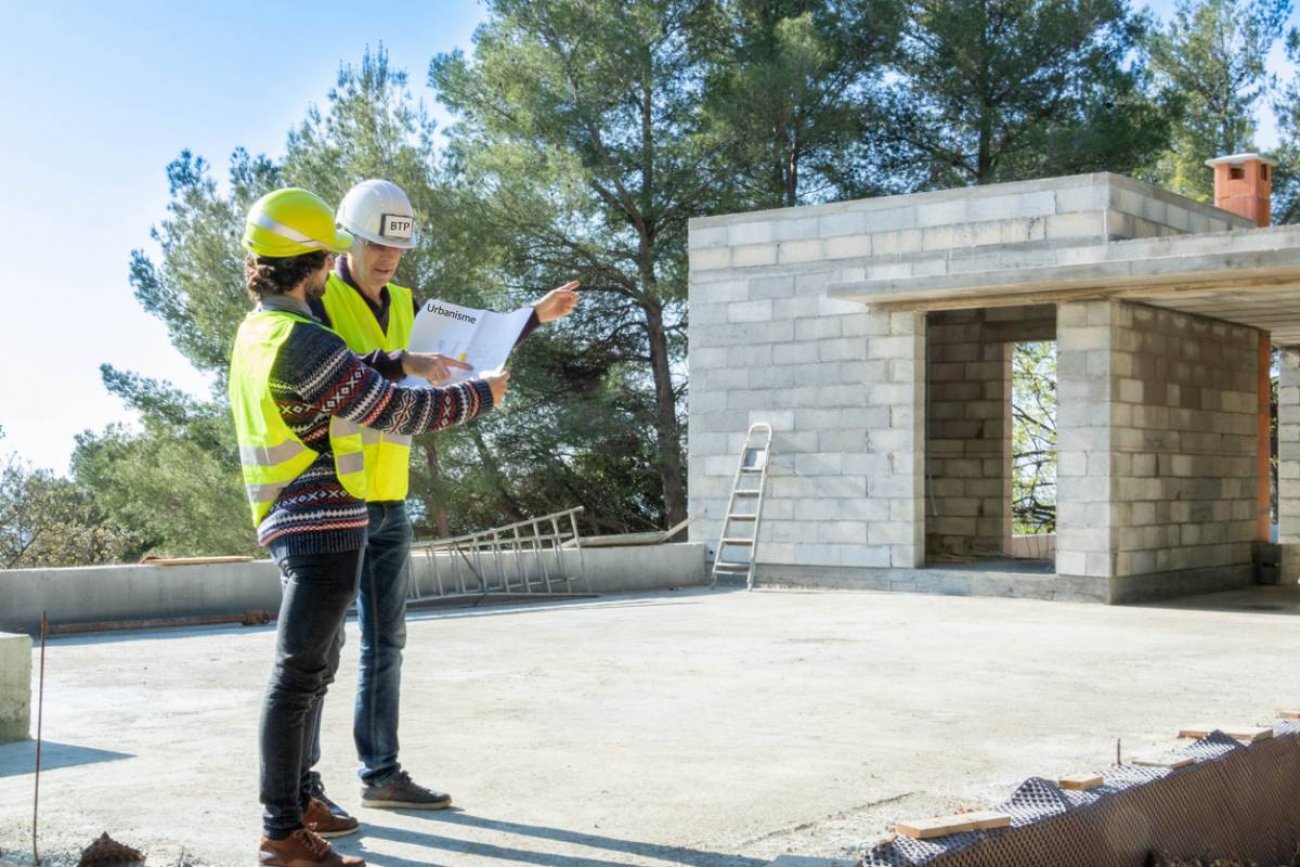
176,483
795,96
1286,174
50,521
1033,438
588,133
197,289
1002,90
1210,59
581,122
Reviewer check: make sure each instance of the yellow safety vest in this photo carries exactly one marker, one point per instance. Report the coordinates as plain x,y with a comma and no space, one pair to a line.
388,456
270,455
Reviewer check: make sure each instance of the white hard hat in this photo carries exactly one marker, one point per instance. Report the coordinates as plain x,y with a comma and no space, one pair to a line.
378,211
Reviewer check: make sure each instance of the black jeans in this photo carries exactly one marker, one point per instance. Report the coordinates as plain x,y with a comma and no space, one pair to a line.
318,588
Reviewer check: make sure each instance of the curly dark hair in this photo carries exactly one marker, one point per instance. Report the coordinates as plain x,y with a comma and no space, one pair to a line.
266,276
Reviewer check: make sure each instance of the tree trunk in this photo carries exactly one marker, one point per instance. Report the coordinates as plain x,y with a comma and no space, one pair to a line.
493,466
436,510
667,431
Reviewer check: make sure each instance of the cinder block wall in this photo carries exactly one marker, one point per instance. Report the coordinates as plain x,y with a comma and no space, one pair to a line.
1157,419
843,387
968,426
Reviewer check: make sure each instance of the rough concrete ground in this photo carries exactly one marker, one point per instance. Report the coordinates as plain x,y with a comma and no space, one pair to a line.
714,729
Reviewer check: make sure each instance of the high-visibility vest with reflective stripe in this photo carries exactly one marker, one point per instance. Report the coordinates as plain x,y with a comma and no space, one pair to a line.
270,455
388,456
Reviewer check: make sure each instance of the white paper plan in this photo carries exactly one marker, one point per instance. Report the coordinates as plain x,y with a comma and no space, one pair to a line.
480,338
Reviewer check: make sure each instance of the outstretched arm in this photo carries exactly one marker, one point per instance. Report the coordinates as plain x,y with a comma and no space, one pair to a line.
316,368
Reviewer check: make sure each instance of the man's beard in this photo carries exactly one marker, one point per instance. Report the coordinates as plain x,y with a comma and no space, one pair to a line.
316,292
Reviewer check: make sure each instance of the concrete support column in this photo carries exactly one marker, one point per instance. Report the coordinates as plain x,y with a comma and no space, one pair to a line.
1288,462
1084,477
908,418
1263,440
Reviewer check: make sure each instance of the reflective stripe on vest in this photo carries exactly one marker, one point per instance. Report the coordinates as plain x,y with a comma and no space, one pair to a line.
388,456
270,455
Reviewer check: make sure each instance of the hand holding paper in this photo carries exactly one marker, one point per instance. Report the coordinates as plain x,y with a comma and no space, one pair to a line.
498,382
431,366
478,341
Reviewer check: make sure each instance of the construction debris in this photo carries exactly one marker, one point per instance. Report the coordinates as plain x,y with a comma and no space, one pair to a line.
107,852
1081,782
1246,734
942,826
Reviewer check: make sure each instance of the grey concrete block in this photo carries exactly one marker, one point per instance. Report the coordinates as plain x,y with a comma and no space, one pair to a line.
794,252
751,256
710,259
15,686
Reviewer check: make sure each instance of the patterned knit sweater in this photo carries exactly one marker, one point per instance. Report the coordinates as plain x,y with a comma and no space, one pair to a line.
316,375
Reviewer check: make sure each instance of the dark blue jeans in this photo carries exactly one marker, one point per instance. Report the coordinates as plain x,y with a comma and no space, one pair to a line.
381,614
318,588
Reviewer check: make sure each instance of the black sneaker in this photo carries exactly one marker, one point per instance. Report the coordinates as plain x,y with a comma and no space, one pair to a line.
400,792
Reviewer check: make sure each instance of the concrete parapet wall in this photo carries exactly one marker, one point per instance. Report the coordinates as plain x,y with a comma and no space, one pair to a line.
952,232
15,686
106,593
135,592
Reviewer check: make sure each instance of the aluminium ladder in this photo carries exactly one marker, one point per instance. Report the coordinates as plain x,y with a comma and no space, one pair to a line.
738,545
530,558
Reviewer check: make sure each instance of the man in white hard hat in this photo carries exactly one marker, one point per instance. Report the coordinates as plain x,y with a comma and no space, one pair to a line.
374,316
299,398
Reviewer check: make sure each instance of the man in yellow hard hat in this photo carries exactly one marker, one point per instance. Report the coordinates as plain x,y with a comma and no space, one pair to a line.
305,407
375,316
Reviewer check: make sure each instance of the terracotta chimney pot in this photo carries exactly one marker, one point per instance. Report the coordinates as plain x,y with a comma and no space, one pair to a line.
1243,184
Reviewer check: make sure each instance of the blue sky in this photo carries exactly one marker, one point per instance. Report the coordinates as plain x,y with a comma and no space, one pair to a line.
95,99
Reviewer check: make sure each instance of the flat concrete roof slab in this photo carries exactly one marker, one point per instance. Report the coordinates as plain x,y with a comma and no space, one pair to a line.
1247,276
700,728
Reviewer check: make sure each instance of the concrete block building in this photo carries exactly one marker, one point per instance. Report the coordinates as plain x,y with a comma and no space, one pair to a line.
874,337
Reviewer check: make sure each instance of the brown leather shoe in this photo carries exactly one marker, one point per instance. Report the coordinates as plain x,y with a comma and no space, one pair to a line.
303,848
325,822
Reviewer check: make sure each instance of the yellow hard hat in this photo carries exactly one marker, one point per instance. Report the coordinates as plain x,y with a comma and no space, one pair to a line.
290,222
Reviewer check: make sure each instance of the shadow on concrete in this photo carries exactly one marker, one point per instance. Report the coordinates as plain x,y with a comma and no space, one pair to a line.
151,634
19,758
469,609
1260,599
671,854
1010,565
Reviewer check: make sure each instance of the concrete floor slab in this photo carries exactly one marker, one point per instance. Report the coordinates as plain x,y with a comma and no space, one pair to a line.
713,729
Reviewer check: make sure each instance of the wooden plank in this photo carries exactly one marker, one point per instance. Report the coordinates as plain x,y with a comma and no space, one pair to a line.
1249,734
1173,763
941,826
1081,782
191,561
